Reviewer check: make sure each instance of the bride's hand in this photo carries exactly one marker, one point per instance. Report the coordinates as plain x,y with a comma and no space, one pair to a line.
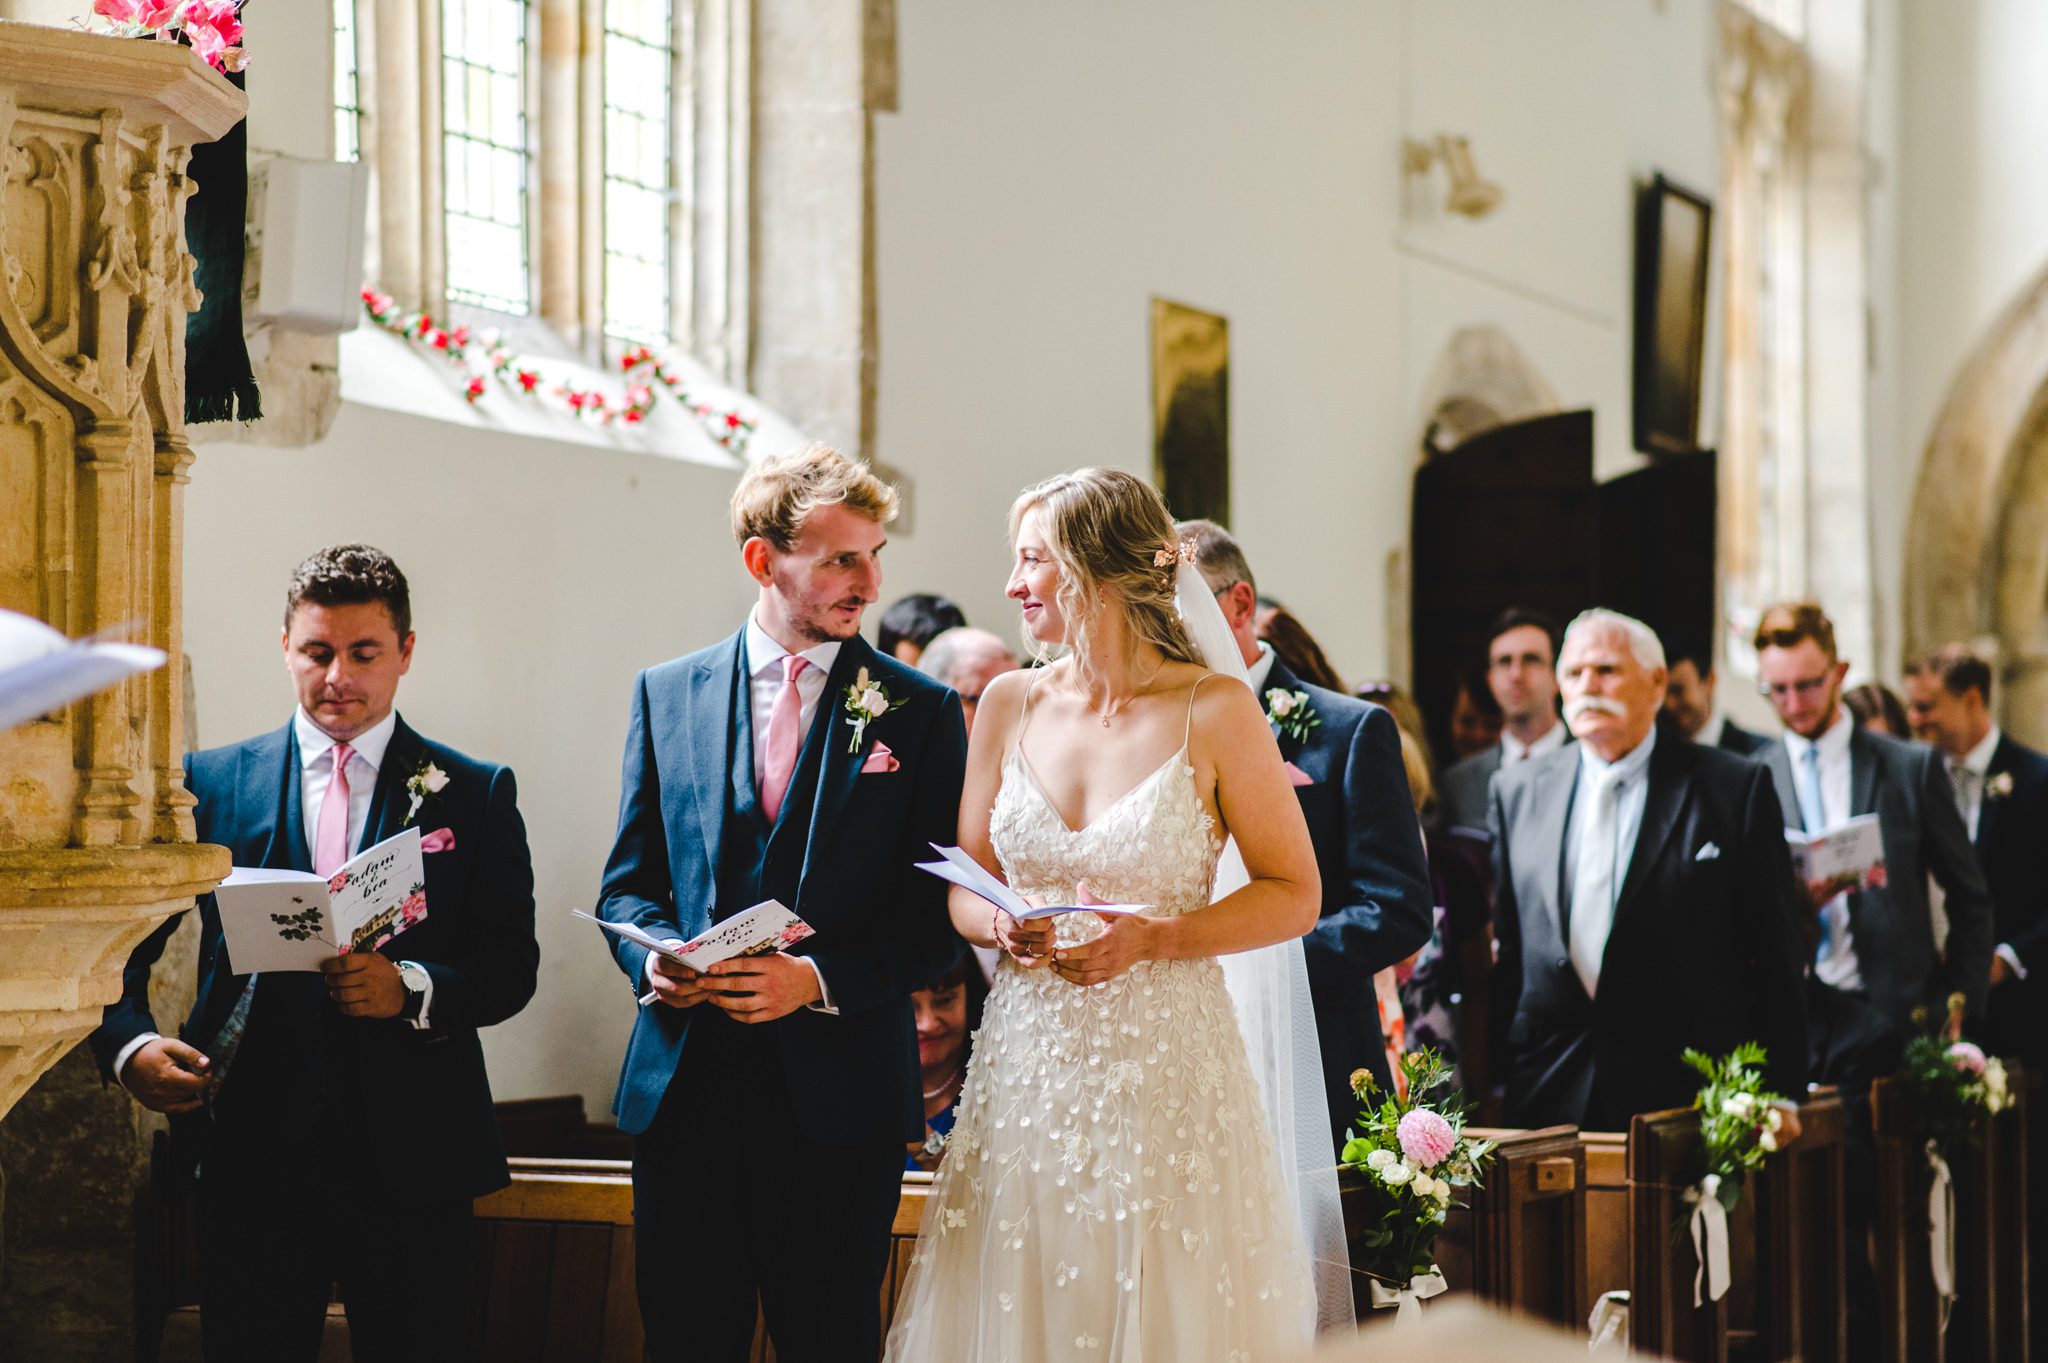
1125,940
1027,943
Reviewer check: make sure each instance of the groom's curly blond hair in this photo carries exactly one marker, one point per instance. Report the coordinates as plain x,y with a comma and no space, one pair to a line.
1105,530
777,495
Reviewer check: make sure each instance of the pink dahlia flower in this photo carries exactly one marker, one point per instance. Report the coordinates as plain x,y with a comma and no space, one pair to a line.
1967,1057
1425,1138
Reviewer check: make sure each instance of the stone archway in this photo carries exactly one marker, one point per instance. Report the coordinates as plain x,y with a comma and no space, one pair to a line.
1977,540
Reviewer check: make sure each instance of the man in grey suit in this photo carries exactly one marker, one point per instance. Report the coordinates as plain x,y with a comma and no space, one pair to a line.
1521,670
1876,958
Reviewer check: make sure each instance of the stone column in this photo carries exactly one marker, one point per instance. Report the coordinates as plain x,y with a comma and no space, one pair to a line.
96,836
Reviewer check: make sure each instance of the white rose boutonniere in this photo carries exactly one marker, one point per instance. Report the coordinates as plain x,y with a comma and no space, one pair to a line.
1999,786
428,780
1291,714
865,701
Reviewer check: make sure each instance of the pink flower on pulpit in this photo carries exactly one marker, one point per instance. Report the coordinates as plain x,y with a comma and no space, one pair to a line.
1967,1057
1426,1138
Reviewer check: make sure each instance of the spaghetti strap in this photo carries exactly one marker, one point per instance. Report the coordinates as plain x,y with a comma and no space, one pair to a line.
1187,733
1024,714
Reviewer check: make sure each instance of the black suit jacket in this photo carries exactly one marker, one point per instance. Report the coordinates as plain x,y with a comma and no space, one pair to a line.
2012,848
1740,741
881,924
1906,785
418,1096
1704,949
1376,893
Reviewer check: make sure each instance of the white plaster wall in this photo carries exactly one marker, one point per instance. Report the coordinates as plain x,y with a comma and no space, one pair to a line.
1972,207
1054,166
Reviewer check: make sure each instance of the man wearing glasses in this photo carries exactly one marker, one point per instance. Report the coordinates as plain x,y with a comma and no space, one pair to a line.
1876,958
1521,670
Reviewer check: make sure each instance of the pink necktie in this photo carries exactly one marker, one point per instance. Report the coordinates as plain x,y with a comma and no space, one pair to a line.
785,739
330,839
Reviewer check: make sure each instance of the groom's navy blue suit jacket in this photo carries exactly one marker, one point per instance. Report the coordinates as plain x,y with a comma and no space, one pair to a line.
881,924
409,1107
1376,893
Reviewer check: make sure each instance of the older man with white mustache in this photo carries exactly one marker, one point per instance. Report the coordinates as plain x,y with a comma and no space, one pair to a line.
1646,901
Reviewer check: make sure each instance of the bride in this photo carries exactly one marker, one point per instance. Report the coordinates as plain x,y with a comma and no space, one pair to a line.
1112,1187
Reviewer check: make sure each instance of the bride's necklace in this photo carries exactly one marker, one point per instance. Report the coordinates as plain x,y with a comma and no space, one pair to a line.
951,1080
1113,711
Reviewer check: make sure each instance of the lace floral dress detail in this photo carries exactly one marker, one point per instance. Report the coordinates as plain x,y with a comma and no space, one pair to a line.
1110,1189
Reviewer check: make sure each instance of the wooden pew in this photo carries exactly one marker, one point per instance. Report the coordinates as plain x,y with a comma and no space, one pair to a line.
1607,1222
1528,1232
1801,1264
553,1272
1663,1160
1991,1315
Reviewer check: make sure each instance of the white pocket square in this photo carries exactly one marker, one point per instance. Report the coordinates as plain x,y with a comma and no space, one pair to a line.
1708,852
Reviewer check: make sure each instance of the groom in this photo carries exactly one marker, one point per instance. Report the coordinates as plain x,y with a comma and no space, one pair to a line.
771,1098
1344,757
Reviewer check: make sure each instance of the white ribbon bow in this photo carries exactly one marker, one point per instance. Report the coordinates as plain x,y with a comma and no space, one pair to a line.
1709,1240
1941,1230
1408,1300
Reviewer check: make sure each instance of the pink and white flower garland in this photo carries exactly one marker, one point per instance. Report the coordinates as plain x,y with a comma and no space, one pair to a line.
645,373
212,28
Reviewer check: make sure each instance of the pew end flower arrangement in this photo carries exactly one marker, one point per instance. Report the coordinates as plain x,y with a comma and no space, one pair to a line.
1954,1088
1413,1159
1740,1122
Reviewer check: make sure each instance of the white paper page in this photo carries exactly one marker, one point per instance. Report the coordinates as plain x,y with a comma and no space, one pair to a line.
275,920
767,926
633,934
384,891
969,874
1847,852
41,670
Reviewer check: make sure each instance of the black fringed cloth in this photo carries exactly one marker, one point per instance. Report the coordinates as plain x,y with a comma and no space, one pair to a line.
219,384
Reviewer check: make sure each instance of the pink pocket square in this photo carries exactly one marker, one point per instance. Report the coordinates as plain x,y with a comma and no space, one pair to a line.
440,840
881,759
1296,776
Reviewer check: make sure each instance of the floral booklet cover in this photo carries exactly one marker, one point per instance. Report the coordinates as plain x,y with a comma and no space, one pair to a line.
294,920
766,927
1849,856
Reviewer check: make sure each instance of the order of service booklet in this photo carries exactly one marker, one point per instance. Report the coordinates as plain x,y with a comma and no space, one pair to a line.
766,927
293,920
1849,856
969,874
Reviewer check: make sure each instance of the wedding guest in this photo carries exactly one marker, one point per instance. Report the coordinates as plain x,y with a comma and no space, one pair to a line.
967,660
1444,986
1283,632
1644,902
1877,959
2001,788
1475,716
1408,715
1344,757
290,1090
912,622
1689,703
1521,671
747,777
1878,709
948,1014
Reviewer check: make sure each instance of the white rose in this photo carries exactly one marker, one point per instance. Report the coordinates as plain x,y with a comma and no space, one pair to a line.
1768,1141
1379,1159
1443,1192
1283,704
1425,1186
433,778
1394,1175
1738,1104
875,703
1774,1119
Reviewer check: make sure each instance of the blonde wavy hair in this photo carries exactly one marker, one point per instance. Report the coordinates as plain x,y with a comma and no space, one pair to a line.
1105,530
777,495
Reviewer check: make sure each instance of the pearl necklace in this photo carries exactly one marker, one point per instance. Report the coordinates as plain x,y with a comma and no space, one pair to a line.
951,1080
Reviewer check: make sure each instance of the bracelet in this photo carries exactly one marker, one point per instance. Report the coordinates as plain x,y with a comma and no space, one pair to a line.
995,916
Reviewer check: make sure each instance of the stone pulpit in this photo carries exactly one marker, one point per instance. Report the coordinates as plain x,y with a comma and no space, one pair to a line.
96,838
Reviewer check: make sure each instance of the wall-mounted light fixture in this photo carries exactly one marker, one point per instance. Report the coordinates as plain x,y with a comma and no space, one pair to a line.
1469,195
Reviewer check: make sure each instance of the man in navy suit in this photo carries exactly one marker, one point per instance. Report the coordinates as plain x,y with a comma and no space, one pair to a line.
771,1097
1344,757
341,1123
1689,703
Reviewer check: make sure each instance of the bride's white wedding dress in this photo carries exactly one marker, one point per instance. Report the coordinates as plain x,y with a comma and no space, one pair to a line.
1110,1189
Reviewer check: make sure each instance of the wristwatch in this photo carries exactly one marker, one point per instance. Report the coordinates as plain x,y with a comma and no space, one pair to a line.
414,976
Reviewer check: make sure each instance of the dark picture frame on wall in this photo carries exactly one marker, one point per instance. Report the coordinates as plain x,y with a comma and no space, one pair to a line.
1191,410
1673,232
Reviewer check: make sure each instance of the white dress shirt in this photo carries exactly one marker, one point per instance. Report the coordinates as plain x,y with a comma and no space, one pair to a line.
316,773
765,680
1710,733
1256,674
1591,919
1513,750
1836,965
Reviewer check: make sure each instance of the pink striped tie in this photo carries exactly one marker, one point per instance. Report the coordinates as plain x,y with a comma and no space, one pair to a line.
785,739
330,838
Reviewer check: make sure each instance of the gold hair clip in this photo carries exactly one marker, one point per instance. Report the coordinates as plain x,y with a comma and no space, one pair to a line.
1184,552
